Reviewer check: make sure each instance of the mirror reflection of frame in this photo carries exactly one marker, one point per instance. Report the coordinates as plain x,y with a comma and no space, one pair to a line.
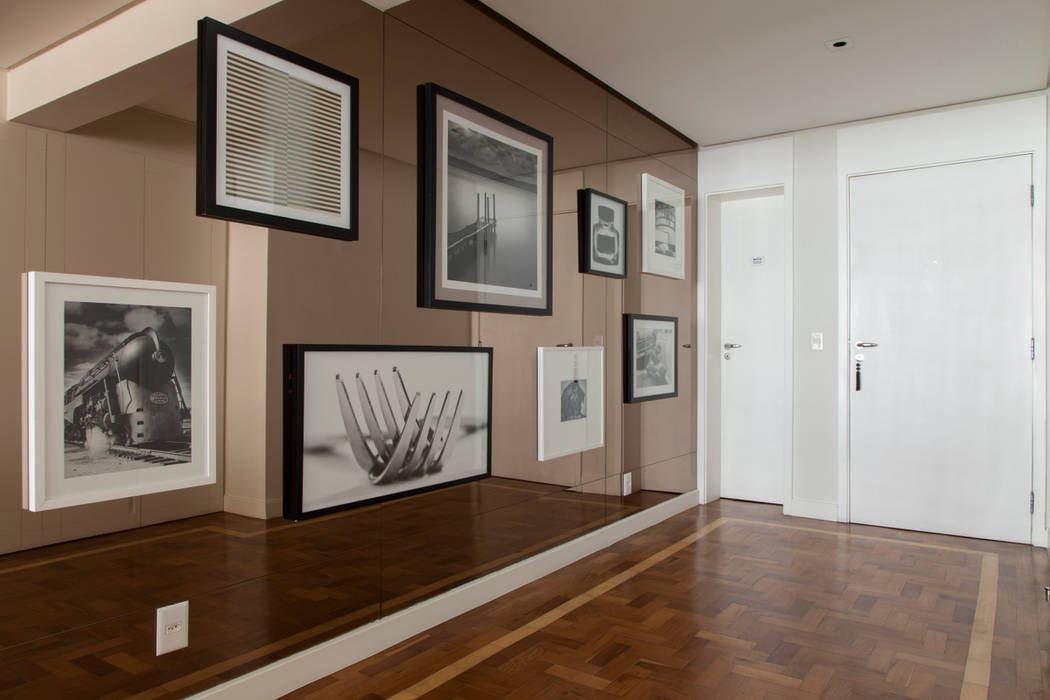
650,357
570,398
485,215
603,233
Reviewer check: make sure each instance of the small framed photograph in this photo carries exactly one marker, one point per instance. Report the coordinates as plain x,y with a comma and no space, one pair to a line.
485,215
650,357
603,233
663,228
366,423
276,136
570,399
119,388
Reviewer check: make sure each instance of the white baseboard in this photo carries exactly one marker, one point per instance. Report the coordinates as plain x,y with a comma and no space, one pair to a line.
309,665
819,510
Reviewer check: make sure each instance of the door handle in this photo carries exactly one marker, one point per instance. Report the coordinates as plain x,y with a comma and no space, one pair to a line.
867,345
732,346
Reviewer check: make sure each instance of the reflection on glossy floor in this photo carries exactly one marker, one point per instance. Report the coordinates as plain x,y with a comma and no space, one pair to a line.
77,619
734,600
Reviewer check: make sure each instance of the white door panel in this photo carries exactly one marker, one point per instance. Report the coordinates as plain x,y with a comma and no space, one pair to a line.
755,430
941,428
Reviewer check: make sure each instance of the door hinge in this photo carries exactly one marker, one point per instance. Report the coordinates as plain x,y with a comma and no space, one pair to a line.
1032,347
1031,195
1031,502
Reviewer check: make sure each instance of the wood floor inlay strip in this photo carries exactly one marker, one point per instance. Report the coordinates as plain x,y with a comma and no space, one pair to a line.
977,676
468,662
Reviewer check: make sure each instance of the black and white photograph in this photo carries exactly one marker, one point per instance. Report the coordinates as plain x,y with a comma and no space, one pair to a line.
570,399
121,388
573,399
663,228
485,216
127,387
650,357
603,233
365,423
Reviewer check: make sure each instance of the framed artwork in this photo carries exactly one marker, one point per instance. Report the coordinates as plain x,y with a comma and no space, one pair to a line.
365,423
118,388
663,228
484,207
570,397
276,136
603,233
650,357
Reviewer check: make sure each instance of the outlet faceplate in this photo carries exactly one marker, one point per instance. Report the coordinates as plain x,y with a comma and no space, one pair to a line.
626,483
173,627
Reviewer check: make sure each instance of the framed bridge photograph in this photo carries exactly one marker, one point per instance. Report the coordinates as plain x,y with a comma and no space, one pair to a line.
484,207
118,388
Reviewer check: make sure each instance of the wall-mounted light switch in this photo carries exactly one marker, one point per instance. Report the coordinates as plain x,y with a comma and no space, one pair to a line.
173,627
816,341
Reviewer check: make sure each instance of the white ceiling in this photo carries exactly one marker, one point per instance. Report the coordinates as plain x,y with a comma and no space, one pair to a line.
723,70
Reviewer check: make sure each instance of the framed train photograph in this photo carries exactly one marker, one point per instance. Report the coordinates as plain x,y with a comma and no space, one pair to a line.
484,206
367,423
118,388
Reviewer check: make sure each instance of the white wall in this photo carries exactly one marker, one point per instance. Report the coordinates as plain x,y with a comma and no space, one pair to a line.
817,484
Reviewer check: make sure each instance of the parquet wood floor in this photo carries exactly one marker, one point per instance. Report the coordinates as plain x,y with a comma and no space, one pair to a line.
733,600
77,619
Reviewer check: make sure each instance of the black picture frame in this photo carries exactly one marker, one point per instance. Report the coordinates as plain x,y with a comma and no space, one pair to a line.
596,237
430,406
650,348
334,217
492,162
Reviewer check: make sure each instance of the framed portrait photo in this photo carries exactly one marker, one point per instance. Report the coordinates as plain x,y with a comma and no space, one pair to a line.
603,233
650,357
276,136
367,423
485,214
570,397
118,386
663,228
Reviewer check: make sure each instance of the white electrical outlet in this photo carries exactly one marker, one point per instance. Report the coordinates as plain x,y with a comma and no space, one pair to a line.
816,341
626,483
173,627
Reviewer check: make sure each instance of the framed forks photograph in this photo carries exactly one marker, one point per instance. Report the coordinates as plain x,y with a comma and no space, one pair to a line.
366,423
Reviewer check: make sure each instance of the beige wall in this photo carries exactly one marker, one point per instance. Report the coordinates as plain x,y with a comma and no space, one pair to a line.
114,198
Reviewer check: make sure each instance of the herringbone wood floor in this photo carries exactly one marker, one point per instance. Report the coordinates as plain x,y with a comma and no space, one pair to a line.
734,600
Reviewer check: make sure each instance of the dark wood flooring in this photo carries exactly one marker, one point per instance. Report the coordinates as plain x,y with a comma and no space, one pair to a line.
734,600
77,619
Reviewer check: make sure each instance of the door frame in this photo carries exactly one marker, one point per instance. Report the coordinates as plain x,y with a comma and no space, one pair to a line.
991,129
716,200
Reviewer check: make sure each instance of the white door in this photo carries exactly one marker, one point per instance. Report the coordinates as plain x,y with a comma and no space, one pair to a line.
755,318
940,327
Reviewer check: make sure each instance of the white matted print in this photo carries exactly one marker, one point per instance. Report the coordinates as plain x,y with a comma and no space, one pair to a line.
650,357
663,228
570,399
119,388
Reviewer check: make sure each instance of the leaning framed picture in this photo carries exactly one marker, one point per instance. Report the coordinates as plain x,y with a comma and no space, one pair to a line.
663,228
570,398
650,357
366,423
603,233
276,136
484,207
118,388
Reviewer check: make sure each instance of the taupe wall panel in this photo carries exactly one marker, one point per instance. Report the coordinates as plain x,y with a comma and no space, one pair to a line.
630,124
115,198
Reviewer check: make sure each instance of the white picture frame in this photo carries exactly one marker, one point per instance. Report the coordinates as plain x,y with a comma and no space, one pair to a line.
663,228
118,388
570,400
